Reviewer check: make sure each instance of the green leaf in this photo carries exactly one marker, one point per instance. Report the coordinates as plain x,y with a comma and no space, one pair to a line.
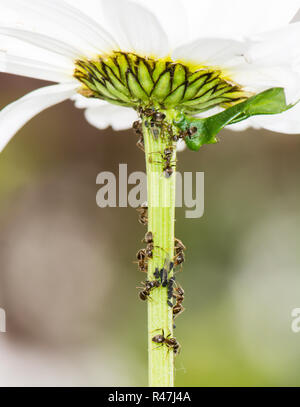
271,101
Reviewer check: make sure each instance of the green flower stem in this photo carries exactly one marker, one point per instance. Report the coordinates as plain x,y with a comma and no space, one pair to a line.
161,218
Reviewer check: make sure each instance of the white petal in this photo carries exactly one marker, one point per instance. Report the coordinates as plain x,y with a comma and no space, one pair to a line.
287,122
259,78
137,29
120,118
82,102
242,126
14,46
58,19
231,18
14,116
181,146
34,69
42,41
248,62
275,47
210,51
172,16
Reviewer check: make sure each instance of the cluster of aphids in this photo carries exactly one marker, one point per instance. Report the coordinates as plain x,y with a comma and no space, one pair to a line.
175,291
155,120
163,277
158,125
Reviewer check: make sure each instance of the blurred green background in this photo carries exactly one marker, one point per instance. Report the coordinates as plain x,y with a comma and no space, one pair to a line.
67,278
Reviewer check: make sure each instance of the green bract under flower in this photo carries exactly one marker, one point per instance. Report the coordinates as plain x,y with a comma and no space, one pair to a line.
129,80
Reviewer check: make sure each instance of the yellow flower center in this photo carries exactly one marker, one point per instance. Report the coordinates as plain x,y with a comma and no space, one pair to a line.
129,80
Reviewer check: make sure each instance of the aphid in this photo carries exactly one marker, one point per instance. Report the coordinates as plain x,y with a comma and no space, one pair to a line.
157,273
146,289
143,214
155,130
164,277
171,343
162,274
171,283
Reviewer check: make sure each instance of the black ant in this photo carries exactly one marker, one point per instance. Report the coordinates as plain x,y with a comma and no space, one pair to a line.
179,296
137,127
148,112
143,266
162,274
156,120
146,289
150,244
179,252
169,165
179,259
158,117
174,136
142,260
143,214
170,342
148,238
141,255
141,144
188,133
179,245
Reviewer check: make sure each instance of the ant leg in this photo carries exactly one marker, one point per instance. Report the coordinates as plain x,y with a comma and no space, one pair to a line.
159,346
157,329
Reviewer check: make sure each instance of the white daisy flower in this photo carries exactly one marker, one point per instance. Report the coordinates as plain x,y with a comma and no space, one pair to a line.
112,56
